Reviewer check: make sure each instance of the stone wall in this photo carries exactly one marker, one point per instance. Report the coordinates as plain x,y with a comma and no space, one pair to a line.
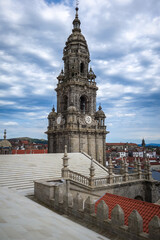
78,208
146,190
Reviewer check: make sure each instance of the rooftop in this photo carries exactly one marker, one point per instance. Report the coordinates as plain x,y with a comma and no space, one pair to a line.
21,218
145,209
19,171
121,144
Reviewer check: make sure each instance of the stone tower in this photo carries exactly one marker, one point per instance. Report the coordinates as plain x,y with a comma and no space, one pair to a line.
76,123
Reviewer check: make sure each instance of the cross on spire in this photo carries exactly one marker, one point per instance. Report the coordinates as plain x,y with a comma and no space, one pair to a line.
77,3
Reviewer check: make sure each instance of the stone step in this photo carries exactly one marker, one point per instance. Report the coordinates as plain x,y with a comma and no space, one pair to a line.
19,171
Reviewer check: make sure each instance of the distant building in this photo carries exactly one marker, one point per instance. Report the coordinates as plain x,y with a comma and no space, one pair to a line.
143,143
121,146
5,145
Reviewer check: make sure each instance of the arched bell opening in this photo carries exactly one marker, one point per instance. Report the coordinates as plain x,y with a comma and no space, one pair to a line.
65,103
83,104
82,68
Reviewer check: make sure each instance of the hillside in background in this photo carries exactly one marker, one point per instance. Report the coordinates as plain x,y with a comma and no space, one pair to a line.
31,140
151,145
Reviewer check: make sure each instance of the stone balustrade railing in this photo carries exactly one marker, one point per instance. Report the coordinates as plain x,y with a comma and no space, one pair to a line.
117,178
100,181
77,177
110,178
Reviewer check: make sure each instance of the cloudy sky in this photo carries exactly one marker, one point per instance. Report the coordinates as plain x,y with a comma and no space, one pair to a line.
124,43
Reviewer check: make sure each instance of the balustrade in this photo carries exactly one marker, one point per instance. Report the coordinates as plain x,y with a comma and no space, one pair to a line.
77,177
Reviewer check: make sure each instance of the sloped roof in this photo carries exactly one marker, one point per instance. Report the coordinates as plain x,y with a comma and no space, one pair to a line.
145,209
19,171
29,151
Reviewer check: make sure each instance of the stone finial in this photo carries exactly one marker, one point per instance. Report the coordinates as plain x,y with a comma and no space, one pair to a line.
65,151
149,173
78,202
125,170
92,173
139,169
135,165
89,205
135,222
117,216
110,170
102,212
122,166
125,165
110,165
154,228
65,170
145,165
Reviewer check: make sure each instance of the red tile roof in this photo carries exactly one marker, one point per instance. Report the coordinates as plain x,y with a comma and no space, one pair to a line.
155,163
28,151
120,144
24,142
145,209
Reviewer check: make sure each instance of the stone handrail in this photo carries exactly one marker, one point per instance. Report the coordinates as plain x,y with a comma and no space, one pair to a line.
77,177
95,162
133,176
117,178
100,181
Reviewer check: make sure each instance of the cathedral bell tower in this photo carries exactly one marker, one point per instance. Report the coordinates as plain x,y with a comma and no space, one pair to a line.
76,122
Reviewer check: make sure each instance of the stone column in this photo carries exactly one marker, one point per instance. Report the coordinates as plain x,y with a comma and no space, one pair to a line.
145,165
65,170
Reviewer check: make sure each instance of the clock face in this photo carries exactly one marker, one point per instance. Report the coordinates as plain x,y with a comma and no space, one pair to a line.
88,119
59,120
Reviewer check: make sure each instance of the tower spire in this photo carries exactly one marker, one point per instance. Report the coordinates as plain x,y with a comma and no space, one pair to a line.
77,4
4,134
76,21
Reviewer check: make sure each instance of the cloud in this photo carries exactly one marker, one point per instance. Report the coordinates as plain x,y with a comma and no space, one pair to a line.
123,39
10,124
4,102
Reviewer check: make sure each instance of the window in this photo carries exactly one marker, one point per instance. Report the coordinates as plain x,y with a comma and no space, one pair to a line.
83,104
82,67
65,103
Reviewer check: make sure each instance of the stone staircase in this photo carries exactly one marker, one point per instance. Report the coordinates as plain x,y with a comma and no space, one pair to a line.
19,171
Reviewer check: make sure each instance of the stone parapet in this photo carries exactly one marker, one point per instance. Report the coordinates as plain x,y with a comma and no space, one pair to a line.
78,208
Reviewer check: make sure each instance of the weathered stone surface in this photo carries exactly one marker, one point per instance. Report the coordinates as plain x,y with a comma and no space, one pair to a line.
154,228
89,205
58,195
102,211
135,222
78,202
68,200
117,216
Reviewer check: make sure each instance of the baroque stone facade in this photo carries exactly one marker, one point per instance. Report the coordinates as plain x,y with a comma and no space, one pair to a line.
76,123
